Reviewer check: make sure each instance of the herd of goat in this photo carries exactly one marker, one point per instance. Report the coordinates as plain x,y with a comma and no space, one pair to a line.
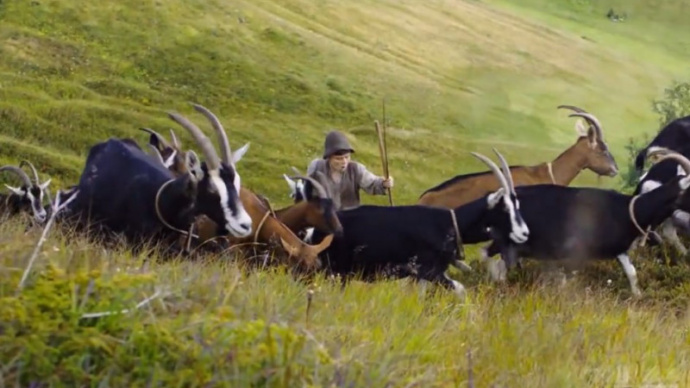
171,198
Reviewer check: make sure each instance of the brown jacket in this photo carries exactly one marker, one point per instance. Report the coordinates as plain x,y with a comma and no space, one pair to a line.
346,192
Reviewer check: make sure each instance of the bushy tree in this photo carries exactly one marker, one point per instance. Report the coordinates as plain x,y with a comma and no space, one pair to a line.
676,103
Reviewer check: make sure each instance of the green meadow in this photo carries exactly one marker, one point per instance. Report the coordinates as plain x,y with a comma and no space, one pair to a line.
456,76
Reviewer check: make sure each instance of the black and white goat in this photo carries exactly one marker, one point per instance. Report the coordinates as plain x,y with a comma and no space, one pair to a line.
657,175
421,241
27,197
590,223
128,191
675,136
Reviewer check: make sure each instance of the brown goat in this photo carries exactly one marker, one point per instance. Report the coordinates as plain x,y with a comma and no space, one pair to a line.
266,225
589,152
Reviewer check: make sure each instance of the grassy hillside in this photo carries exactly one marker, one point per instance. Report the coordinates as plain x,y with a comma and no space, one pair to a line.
457,76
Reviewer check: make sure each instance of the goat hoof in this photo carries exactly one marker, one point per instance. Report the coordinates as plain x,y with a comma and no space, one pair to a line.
459,290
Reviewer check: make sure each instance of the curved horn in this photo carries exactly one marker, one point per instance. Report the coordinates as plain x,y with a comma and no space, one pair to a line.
176,142
33,170
157,153
220,131
161,139
298,172
506,171
656,151
665,153
592,120
319,188
682,160
210,154
572,107
18,171
494,168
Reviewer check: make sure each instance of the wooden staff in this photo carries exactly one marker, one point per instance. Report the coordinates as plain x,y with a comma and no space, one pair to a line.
383,150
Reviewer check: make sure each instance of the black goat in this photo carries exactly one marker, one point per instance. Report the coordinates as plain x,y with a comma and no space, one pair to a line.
420,241
674,136
27,197
124,190
590,223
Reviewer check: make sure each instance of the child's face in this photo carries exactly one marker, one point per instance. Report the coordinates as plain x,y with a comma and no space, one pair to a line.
339,162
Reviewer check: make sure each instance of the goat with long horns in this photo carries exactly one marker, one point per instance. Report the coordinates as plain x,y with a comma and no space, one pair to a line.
26,197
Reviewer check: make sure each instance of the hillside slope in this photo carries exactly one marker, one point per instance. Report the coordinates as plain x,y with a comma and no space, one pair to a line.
457,76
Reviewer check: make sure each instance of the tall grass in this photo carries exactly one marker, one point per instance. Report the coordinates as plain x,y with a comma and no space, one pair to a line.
213,322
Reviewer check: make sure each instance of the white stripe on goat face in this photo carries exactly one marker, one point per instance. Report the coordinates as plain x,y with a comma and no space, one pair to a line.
36,205
236,183
519,230
236,225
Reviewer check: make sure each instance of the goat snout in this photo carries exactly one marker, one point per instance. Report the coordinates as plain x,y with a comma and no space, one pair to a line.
520,235
311,265
246,227
40,216
239,229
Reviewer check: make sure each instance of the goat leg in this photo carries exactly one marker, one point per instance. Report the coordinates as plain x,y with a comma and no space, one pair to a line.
456,287
630,272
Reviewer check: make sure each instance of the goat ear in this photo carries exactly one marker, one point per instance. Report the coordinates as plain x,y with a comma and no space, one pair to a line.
580,128
292,251
592,136
170,160
325,243
237,155
45,184
17,190
155,141
292,184
495,197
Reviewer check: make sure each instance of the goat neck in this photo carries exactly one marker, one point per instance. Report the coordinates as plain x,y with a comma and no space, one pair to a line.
472,221
295,216
304,255
567,165
176,201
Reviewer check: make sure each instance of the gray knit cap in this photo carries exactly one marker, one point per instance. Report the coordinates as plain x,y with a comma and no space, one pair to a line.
335,141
